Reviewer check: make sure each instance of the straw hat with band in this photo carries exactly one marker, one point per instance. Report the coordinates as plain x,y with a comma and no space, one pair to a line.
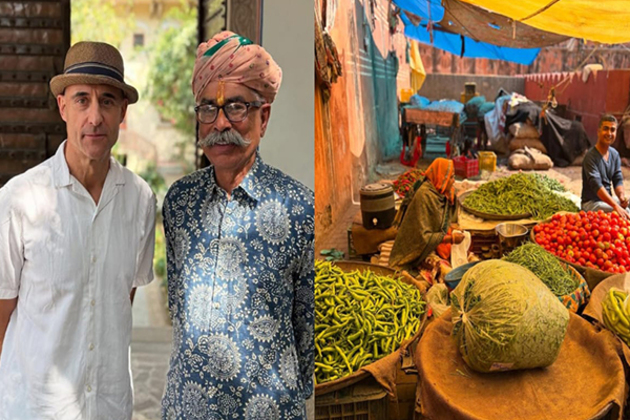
93,63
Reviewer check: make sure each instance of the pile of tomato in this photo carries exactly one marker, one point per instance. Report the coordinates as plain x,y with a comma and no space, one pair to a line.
591,239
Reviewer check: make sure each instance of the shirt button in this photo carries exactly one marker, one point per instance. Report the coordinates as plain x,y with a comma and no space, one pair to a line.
89,388
93,302
93,259
91,346
217,306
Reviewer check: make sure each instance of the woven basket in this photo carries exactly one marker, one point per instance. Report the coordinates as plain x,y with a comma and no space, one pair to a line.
346,381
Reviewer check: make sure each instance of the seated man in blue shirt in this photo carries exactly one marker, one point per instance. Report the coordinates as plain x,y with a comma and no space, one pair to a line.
600,169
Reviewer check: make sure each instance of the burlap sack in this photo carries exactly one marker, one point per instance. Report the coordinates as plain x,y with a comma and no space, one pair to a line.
586,381
532,143
528,159
523,131
594,307
366,241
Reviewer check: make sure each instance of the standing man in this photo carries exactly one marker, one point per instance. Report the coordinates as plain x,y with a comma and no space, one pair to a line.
76,238
601,168
240,255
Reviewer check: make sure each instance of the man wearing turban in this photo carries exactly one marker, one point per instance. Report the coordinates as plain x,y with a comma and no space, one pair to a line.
239,254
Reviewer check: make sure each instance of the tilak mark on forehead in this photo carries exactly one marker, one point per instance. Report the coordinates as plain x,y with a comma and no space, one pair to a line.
211,51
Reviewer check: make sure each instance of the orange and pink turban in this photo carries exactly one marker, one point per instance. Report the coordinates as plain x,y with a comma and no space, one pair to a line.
229,57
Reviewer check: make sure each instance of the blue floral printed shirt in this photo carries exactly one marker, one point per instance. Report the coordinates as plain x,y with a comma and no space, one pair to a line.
240,292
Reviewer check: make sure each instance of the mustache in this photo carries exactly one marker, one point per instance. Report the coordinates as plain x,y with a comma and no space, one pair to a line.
224,138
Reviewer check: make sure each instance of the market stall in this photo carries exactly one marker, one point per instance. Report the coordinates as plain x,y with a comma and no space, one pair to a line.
593,344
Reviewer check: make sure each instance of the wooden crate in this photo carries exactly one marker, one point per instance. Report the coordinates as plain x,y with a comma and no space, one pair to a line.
482,239
365,400
422,116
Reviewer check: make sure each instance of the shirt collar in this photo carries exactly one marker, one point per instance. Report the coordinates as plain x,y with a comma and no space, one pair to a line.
60,167
61,172
251,184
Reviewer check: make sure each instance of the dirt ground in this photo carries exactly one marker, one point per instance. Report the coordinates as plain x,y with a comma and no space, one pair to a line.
570,177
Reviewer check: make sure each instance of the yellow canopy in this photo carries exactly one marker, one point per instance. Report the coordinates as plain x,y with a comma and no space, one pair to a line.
607,22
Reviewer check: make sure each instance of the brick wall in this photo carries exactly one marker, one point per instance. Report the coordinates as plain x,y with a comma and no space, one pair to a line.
34,37
563,57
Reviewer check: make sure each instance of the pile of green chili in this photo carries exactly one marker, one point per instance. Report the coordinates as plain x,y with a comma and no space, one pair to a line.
519,194
545,266
360,317
552,184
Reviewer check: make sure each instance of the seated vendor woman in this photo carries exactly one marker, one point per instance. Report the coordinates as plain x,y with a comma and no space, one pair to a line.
601,169
426,215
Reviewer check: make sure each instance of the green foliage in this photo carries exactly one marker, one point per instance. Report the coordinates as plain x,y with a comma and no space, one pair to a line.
171,61
159,257
332,254
158,186
96,20
154,179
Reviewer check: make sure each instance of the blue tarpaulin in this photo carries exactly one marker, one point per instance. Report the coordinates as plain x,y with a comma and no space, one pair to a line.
432,10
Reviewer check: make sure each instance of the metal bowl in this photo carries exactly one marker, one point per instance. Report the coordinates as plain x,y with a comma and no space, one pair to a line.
511,235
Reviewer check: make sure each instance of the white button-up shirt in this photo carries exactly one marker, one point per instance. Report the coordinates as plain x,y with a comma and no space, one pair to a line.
72,265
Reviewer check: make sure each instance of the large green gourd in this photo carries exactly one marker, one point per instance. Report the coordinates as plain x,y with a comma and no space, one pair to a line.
505,318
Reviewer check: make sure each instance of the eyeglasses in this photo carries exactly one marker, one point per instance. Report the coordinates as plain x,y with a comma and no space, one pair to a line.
234,111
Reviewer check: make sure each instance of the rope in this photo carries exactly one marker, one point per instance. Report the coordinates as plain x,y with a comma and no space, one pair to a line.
540,10
552,91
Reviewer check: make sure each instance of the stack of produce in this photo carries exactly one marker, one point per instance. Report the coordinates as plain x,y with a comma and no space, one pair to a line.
595,239
545,266
616,313
519,194
360,317
505,318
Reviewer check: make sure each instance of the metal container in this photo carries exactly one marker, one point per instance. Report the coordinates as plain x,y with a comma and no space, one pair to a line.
378,208
511,235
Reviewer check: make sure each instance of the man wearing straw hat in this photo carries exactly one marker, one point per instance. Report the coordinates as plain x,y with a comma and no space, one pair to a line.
239,238
76,238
